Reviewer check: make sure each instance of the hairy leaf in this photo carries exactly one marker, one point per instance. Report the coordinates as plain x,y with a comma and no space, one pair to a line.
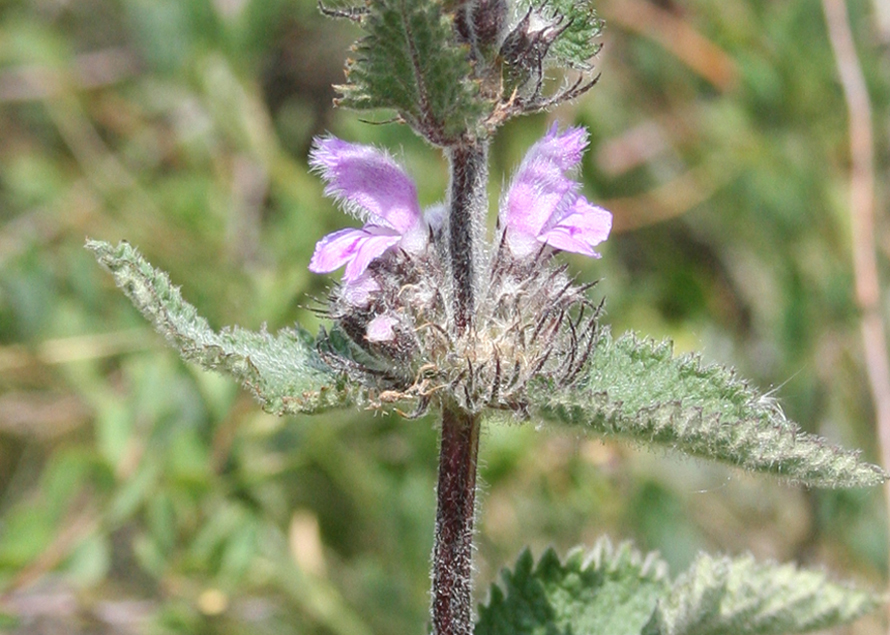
283,371
578,25
637,389
723,596
410,61
608,591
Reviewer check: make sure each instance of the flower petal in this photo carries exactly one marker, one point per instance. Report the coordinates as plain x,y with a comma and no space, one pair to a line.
335,250
542,203
355,248
581,230
562,150
534,198
368,183
370,246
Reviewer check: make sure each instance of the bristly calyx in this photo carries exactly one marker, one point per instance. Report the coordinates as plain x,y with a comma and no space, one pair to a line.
397,327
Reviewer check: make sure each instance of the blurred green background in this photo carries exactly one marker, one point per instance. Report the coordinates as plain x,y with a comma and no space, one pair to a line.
141,495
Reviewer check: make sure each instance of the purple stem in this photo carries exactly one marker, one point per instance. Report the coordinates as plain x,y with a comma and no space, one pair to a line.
469,204
456,491
452,555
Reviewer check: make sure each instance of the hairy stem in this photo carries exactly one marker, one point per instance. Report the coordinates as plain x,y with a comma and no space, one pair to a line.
469,203
452,553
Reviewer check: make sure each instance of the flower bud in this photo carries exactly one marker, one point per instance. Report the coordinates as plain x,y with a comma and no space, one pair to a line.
481,22
525,48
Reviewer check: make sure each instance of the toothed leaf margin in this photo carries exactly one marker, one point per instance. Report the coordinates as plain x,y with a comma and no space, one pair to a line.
609,591
580,26
283,371
410,61
636,389
723,596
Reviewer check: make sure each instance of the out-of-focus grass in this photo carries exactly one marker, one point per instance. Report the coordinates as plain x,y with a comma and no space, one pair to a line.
138,494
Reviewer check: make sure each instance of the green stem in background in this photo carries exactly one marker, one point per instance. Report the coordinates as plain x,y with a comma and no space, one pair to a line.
469,204
452,554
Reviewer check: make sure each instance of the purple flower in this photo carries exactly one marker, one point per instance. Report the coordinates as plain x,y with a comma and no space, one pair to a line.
370,185
542,204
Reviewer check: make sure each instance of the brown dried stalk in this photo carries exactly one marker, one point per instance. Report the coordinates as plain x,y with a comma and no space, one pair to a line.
862,218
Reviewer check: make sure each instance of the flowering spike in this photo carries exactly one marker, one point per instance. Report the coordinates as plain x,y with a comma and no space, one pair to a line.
396,300
542,204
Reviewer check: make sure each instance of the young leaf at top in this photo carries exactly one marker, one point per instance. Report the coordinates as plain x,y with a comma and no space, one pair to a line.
283,371
411,61
638,390
724,596
577,25
610,591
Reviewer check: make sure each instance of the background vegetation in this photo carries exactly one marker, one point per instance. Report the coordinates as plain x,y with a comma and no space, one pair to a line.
141,495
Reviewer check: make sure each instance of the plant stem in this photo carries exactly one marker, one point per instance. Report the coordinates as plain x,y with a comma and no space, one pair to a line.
453,551
469,203
456,490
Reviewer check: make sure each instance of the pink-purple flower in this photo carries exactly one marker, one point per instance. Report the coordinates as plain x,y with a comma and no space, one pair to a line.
543,205
397,301
370,185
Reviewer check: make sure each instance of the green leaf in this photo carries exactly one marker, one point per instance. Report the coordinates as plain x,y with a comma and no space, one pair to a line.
576,44
409,60
723,596
637,389
608,591
283,371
